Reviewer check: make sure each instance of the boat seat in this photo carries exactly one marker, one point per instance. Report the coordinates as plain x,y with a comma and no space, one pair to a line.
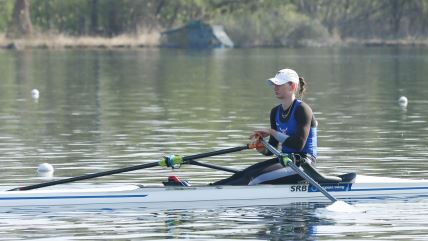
317,176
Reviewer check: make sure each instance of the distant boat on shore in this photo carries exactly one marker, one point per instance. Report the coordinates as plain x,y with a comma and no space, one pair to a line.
196,34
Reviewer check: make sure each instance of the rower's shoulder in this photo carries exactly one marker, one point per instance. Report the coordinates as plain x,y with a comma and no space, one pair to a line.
275,109
304,107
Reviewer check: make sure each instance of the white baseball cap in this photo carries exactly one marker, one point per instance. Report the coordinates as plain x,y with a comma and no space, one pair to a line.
284,76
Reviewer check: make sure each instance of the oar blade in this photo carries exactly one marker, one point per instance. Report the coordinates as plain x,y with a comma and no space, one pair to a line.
341,206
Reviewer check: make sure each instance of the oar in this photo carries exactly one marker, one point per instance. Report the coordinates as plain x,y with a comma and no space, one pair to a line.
226,169
170,162
300,172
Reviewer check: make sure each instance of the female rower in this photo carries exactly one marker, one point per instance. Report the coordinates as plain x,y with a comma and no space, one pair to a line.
293,125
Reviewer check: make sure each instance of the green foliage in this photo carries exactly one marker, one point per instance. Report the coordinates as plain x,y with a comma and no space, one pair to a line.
277,26
99,17
6,9
248,22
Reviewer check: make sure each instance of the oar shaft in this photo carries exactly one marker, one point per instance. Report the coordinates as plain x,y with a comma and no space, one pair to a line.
84,177
298,171
196,163
216,153
185,159
311,180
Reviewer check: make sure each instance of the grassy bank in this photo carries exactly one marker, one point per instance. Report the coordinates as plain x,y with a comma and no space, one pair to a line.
59,41
52,41
405,42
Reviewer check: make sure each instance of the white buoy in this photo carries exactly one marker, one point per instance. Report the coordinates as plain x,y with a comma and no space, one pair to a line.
402,101
45,168
35,94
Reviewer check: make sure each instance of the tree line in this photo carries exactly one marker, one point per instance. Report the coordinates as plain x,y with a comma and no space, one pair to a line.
248,22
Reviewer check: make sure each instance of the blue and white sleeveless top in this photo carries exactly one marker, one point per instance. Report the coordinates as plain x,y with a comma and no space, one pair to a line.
289,128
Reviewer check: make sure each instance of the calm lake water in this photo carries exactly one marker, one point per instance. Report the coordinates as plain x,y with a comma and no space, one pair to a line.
100,110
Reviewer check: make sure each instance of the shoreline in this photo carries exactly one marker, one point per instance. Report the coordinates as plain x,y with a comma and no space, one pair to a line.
152,40
81,42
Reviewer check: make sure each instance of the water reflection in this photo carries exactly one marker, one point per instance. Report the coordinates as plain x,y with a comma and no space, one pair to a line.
381,219
100,110
290,222
299,221
107,109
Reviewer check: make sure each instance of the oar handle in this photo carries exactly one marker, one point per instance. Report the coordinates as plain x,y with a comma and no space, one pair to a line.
255,145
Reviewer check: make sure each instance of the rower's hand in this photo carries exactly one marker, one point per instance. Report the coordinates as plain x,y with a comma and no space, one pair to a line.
256,138
262,133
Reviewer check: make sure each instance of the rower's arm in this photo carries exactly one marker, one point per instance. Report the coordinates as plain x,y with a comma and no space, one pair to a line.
272,141
304,117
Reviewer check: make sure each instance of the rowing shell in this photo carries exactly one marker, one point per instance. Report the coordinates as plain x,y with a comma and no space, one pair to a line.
177,197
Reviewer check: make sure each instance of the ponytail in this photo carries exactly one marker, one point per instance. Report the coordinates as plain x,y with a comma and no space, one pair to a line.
302,88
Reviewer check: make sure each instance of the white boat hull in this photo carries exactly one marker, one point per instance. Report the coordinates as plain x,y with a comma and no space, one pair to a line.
365,187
